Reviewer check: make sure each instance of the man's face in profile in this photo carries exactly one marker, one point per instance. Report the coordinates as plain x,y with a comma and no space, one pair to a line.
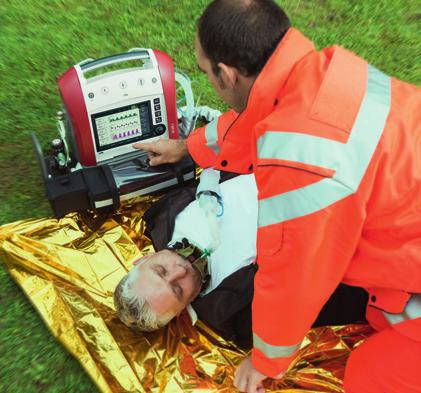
166,281
205,65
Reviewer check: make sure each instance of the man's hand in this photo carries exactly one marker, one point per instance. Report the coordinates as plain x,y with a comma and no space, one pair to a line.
248,379
164,151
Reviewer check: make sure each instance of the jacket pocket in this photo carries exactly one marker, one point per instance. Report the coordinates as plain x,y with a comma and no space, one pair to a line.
269,239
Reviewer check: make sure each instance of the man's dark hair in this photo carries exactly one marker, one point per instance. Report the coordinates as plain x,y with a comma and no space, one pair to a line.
242,33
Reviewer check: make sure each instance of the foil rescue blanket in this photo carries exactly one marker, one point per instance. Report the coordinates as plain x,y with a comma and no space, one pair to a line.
69,268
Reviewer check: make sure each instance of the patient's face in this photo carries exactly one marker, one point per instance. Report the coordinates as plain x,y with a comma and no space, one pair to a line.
167,282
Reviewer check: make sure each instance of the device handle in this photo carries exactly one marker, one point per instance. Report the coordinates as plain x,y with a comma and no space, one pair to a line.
136,50
88,60
87,65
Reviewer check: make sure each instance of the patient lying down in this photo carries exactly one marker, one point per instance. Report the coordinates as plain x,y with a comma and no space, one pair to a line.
219,286
161,285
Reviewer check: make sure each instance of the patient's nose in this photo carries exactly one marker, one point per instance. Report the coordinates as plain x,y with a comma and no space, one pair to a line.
177,272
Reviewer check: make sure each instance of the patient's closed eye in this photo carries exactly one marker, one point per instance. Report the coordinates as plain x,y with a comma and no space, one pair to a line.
176,288
161,270
178,291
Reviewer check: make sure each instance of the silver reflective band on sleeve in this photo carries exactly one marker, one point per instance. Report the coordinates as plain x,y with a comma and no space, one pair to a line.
211,134
283,146
412,311
274,351
349,161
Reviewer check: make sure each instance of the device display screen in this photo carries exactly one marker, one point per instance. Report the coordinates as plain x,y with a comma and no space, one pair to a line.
122,126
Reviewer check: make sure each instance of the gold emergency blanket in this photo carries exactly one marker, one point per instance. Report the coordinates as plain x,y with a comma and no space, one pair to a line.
69,268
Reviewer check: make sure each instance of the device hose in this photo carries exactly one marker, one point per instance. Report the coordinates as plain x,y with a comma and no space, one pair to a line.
210,201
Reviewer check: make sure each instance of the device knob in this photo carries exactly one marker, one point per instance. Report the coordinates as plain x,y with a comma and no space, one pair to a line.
57,144
160,129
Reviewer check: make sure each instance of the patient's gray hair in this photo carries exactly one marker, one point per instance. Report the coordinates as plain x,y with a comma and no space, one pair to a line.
133,310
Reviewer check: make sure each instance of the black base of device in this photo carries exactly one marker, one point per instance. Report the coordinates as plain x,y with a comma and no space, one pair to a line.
95,188
79,190
103,187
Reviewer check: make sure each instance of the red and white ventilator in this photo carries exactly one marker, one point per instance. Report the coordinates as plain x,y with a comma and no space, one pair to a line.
109,104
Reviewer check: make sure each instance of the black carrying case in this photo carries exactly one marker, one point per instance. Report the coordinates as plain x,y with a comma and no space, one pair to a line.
95,188
79,190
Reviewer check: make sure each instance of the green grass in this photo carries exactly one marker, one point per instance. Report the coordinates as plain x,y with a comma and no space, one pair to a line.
39,40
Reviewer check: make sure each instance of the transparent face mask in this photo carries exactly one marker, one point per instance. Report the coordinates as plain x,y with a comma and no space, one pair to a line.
194,255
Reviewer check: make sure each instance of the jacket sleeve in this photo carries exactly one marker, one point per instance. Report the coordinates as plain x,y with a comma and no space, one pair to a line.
305,241
204,144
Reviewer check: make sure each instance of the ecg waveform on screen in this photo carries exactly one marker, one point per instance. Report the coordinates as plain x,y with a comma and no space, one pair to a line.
119,126
124,117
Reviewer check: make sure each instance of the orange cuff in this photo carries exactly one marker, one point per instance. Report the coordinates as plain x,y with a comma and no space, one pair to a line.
201,154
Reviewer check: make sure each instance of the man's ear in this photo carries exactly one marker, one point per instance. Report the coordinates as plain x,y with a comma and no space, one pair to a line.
229,75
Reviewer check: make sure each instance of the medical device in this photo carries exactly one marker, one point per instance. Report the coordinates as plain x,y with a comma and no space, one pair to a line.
109,104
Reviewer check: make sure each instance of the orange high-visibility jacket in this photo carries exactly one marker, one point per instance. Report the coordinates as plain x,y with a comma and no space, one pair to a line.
335,146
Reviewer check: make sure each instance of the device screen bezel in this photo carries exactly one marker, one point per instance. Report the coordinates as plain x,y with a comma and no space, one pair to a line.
129,141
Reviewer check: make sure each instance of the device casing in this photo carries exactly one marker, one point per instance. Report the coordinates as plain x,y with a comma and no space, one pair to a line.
99,176
152,79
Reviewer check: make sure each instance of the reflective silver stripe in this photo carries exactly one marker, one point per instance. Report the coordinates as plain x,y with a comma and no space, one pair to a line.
211,134
349,161
274,351
412,311
283,145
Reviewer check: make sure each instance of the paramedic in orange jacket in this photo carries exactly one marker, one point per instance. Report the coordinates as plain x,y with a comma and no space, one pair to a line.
335,146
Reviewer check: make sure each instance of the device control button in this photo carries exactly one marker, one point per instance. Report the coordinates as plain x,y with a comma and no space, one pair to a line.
157,107
154,80
160,129
141,81
158,113
91,96
158,119
105,90
123,85
156,101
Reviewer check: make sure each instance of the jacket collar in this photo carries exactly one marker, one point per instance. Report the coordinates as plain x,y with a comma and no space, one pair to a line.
293,47
262,100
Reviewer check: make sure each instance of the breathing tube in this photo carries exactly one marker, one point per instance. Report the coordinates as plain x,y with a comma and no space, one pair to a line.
208,195
188,110
208,192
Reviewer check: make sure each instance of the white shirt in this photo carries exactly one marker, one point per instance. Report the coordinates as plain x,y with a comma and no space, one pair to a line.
237,229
